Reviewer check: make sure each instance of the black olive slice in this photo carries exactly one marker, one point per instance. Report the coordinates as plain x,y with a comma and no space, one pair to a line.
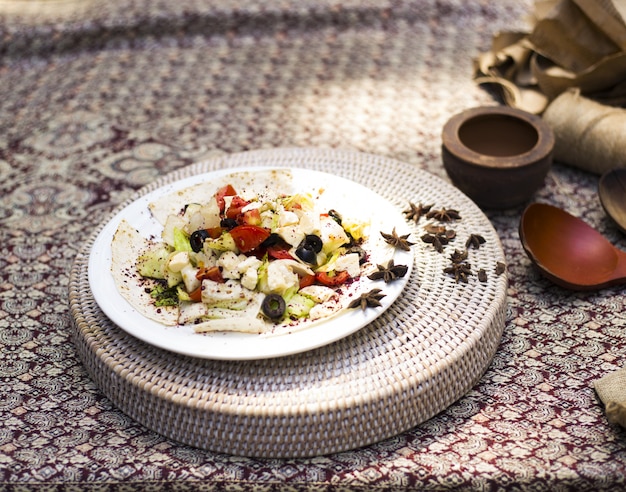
306,253
333,214
315,242
271,240
273,306
196,240
228,223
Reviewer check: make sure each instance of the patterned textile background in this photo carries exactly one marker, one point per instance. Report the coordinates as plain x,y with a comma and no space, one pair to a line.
97,103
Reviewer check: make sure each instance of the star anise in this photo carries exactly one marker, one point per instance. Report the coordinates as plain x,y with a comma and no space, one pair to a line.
434,228
474,241
439,237
415,212
458,256
444,214
460,271
368,299
389,273
400,242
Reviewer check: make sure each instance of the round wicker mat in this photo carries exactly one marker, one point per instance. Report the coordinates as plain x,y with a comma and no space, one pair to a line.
425,352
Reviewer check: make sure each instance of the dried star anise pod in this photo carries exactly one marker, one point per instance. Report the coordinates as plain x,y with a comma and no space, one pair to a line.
389,273
397,241
500,268
415,212
368,299
474,241
440,238
434,228
444,214
482,275
458,256
460,271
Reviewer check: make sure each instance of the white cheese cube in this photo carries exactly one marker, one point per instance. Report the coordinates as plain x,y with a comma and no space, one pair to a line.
309,223
229,261
189,277
178,261
281,277
250,278
287,218
349,263
291,234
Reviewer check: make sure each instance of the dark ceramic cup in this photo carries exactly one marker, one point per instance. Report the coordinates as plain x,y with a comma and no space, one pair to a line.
498,156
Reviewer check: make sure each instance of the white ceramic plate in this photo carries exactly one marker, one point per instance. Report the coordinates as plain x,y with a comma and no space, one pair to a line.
349,198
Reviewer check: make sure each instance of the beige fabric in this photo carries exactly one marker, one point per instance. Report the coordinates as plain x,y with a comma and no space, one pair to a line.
588,135
574,43
612,391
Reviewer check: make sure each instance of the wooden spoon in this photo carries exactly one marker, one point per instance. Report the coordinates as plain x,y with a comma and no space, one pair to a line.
568,251
612,191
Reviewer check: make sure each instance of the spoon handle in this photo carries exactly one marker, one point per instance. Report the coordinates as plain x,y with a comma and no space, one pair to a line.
620,270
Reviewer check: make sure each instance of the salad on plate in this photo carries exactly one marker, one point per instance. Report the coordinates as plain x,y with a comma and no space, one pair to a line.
242,258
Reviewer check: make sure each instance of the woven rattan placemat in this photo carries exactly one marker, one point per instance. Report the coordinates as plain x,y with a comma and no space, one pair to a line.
425,352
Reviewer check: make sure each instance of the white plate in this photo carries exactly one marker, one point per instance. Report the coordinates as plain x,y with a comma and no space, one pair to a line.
347,197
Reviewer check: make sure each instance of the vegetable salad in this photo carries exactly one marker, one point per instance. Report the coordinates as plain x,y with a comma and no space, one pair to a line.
258,259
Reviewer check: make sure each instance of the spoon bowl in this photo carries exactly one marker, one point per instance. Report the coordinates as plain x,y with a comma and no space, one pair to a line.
612,191
568,251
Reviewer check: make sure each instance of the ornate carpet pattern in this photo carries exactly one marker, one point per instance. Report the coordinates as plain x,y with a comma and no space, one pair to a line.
97,104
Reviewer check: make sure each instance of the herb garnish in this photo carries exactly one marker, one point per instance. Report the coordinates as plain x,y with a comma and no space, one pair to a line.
164,296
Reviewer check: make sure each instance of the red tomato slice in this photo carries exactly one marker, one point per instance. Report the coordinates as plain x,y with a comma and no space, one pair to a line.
234,209
196,295
251,217
211,273
307,280
227,190
215,232
248,237
332,280
279,252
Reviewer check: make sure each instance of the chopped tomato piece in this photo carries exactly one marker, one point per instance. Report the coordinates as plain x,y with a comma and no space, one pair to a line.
307,280
332,280
196,295
227,190
211,273
279,252
234,209
248,237
251,217
215,232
